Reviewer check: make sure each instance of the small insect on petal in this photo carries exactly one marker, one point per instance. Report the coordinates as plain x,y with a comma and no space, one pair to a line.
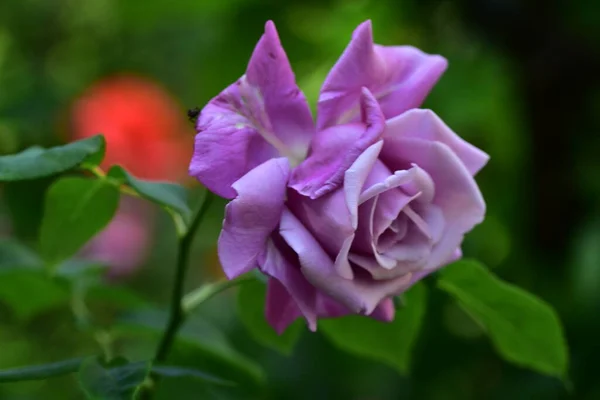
193,114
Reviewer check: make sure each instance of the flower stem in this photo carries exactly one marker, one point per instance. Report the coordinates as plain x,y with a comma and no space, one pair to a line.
177,313
205,292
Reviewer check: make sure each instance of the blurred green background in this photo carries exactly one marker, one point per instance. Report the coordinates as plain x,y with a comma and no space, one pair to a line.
522,84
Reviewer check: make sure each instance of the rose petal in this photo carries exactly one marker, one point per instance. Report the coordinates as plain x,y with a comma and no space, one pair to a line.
327,218
363,237
405,249
434,219
391,181
333,217
413,252
426,125
373,222
418,222
279,263
395,232
341,263
329,308
400,77
404,256
262,115
334,150
386,209
456,192
329,221
417,276
252,216
280,308
413,181
356,176
377,272
360,295
385,311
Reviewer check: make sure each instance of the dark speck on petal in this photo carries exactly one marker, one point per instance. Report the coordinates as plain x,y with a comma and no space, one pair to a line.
193,114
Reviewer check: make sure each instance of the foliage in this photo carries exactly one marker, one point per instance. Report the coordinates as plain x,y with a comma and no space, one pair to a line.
524,329
55,306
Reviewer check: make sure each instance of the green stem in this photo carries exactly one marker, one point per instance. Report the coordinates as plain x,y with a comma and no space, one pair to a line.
205,292
95,170
105,340
177,313
83,318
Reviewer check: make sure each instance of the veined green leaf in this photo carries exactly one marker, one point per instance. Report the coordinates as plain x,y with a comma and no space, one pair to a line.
524,329
37,162
76,209
390,343
170,195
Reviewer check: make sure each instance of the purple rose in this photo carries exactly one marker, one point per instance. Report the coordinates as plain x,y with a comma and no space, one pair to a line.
344,214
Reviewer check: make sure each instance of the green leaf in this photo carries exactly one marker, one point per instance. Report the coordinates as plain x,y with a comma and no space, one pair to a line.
251,309
524,329
29,292
170,195
119,296
76,209
197,333
390,343
183,372
38,372
36,162
25,205
16,255
118,380
76,269
91,278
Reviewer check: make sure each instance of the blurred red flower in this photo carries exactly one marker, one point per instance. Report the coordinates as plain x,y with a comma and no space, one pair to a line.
146,131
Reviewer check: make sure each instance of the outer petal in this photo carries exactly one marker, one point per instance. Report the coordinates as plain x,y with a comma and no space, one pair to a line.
280,263
359,295
385,311
329,308
252,216
280,308
417,276
262,115
400,78
333,150
285,106
426,125
456,192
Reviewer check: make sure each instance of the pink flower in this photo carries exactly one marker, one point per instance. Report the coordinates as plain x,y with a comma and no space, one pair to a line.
124,244
383,198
